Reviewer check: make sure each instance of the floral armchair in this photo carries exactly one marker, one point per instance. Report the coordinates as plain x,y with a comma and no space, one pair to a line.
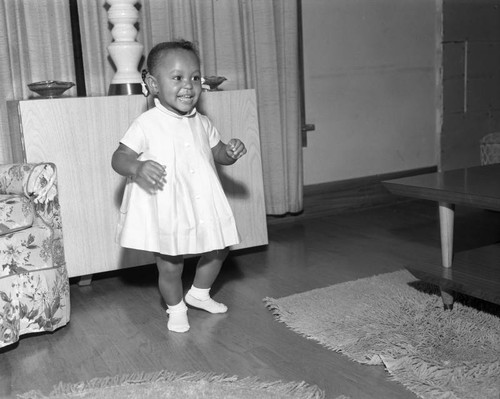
34,285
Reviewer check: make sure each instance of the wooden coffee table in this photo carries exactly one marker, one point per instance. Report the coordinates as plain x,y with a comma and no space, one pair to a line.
475,272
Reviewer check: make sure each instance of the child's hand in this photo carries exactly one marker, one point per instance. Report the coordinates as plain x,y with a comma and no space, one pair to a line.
235,149
151,176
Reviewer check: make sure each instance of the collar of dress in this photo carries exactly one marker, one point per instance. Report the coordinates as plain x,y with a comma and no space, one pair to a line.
168,112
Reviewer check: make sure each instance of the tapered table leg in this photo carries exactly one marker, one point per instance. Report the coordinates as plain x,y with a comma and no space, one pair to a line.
446,220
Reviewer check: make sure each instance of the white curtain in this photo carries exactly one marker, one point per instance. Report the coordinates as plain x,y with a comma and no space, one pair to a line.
35,45
253,43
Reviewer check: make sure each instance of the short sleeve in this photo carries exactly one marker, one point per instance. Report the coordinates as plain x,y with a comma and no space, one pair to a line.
134,138
213,133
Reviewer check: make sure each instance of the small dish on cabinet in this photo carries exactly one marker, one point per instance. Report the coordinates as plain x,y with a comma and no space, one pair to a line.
50,88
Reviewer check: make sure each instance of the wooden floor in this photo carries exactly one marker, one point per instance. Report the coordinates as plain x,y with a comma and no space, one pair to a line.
118,324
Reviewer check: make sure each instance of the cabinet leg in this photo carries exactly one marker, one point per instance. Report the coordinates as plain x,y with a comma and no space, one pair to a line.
85,280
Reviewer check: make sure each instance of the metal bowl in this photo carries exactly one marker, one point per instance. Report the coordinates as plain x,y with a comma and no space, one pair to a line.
50,88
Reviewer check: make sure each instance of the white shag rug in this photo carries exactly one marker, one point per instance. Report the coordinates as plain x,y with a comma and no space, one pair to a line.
394,320
169,385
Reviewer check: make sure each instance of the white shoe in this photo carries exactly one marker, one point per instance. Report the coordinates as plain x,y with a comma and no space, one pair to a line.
209,304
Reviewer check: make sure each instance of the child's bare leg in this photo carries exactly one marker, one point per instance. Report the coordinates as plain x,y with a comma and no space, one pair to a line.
170,277
170,285
207,270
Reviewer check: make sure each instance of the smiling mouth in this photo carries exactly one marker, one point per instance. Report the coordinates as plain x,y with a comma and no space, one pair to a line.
186,98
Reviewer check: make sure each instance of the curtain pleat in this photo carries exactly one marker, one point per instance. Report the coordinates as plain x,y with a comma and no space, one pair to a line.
36,44
96,37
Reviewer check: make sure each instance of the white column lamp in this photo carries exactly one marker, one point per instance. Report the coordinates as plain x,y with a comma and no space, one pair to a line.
125,51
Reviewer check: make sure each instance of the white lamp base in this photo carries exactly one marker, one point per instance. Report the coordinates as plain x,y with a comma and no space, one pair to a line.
124,50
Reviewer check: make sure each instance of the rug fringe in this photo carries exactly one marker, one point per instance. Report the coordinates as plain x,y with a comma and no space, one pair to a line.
281,315
137,378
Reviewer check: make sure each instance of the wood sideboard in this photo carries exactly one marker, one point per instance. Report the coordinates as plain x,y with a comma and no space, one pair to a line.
79,135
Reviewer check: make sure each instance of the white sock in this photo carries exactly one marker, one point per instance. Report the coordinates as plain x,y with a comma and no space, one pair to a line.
200,298
177,317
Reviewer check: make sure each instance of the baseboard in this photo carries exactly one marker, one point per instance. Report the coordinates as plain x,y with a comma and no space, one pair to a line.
350,195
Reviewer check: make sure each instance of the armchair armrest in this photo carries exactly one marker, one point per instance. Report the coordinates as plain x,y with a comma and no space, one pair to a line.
36,181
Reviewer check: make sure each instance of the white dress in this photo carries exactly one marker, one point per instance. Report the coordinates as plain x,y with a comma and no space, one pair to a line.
191,215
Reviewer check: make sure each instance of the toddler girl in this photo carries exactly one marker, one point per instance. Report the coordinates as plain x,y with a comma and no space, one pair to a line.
173,203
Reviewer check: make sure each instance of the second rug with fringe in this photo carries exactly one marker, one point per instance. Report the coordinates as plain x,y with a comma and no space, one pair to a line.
396,321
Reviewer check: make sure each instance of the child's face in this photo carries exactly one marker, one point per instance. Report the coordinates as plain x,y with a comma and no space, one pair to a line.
178,81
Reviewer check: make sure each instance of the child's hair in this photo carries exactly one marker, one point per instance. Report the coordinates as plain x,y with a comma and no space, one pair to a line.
158,51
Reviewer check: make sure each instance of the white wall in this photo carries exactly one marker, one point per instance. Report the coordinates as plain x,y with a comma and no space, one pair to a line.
370,86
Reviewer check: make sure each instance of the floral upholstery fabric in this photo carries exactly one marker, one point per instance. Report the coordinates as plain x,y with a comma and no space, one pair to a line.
17,213
34,285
